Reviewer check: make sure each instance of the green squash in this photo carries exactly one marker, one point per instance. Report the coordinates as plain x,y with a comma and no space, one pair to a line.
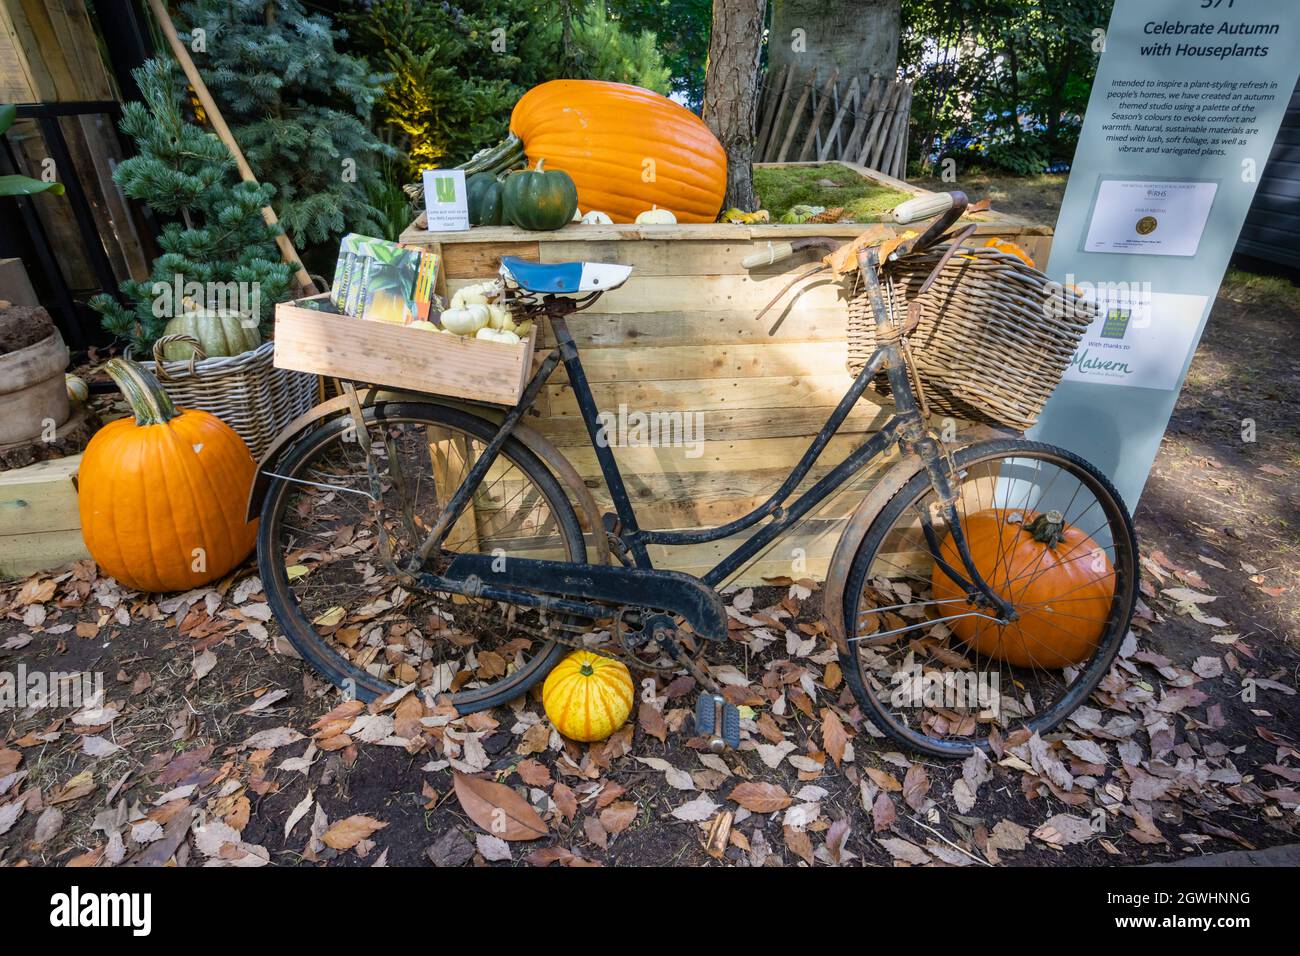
483,194
220,332
540,199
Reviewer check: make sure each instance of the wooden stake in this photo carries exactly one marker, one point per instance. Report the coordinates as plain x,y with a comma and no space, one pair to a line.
814,130
866,106
287,251
771,96
794,118
835,138
769,138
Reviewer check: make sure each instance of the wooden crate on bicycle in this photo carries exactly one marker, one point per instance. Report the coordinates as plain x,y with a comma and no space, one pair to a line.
311,337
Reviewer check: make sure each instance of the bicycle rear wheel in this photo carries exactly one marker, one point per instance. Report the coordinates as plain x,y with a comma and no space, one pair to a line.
369,630
935,670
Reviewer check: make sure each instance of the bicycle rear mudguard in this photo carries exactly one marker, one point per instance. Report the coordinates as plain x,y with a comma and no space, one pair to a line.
589,515
670,591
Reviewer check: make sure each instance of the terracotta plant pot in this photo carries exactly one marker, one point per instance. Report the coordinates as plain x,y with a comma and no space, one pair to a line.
32,388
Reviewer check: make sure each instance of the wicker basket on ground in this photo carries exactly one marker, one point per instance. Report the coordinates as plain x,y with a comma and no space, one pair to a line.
245,391
995,334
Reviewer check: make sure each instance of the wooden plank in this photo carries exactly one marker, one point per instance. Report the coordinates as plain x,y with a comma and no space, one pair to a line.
23,554
741,455
705,395
733,424
789,322
449,458
17,83
675,363
41,497
708,499
472,261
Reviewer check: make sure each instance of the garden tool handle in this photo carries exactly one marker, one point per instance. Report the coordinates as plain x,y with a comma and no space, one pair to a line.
775,252
923,207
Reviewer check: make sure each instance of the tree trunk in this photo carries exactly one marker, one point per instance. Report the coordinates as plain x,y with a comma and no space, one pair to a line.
731,92
856,38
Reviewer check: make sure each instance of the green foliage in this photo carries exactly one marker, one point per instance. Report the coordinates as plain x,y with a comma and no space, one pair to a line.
458,71
681,29
598,47
299,108
183,171
1001,82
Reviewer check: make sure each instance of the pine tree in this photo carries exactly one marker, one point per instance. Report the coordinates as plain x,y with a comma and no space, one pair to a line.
182,171
457,70
299,109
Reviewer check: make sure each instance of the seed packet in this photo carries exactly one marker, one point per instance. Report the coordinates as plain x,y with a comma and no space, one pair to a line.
425,282
343,270
359,273
389,284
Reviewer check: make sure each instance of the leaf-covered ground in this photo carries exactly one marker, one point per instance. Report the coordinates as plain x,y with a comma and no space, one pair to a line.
211,746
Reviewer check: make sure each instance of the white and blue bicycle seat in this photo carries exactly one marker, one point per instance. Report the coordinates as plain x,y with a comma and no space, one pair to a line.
563,277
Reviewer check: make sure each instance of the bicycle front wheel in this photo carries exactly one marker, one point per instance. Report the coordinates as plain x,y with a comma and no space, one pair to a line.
352,614
935,669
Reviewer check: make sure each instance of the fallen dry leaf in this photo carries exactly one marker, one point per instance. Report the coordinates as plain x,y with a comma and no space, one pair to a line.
346,833
498,809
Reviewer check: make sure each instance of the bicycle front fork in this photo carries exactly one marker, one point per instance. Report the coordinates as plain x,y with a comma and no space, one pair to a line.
941,468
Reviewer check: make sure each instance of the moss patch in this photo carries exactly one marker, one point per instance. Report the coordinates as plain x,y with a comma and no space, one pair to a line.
863,201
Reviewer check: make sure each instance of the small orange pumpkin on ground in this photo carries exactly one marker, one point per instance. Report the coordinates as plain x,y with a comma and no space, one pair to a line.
587,696
162,495
1055,575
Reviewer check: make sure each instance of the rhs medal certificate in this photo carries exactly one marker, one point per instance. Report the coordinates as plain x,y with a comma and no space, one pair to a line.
1149,218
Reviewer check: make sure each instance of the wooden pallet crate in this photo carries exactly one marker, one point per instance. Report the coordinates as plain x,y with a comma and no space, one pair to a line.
40,525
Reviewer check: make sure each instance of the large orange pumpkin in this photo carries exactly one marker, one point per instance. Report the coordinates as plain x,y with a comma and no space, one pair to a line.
162,494
1060,582
625,147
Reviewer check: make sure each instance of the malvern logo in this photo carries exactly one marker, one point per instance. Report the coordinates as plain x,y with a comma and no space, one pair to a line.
103,909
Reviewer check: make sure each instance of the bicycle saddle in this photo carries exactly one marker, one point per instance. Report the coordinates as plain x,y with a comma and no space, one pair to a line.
563,277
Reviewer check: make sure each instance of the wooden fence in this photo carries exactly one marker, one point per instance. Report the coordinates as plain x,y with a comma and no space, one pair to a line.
862,120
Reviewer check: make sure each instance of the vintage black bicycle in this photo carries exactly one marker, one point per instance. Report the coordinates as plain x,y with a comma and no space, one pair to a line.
984,584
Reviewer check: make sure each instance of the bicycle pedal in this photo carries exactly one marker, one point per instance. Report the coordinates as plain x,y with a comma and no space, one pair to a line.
719,721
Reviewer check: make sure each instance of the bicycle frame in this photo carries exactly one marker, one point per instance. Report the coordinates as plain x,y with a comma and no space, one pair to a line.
906,426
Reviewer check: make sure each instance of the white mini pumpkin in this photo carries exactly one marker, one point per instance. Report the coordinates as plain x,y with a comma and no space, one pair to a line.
654,216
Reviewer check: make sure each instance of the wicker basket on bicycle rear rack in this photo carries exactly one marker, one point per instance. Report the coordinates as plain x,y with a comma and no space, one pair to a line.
994,338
